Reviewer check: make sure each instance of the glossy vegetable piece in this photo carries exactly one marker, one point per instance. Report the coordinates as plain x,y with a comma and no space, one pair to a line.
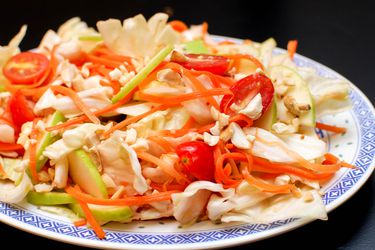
197,159
26,68
246,89
20,109
215,64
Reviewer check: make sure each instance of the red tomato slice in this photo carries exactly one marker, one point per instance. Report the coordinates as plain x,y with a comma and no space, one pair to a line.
26,68
215,64
20,109
245,89
197,159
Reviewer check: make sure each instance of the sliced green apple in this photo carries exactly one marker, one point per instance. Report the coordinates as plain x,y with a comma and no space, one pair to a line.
299,91
105,213
50,198
47,139
268,118
196,47
84,172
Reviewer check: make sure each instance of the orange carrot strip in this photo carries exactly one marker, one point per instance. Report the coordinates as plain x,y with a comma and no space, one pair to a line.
226,42
292,48
162,142
127,201
183,97
77,101
32,152
169,187
90,217
99,112
178,25
241,117
189,123
248,57
284,168
194,81
130,120
80,222
2,171
164,166
99,60
330,128
204,29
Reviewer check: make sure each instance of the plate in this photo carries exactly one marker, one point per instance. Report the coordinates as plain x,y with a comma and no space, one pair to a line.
356,146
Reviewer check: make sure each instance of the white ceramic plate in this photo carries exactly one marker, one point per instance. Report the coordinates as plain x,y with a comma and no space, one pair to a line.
357,147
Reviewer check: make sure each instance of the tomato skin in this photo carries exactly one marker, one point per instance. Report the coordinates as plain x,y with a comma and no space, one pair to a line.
197,158
26,68
20,110
215,64
246,89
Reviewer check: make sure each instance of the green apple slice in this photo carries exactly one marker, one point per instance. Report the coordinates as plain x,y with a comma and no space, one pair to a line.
50,198
300,92
84,172
105,214
195,47
268,118
47,139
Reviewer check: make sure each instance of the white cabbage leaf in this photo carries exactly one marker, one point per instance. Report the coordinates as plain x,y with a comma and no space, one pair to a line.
120,162
71,140
136,36
330,95
11,192
276,149
190,204
281,207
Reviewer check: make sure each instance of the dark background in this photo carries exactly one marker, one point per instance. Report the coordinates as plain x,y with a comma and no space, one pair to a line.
339,34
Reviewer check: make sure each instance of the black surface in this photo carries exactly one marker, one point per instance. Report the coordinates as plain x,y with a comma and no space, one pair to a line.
339,34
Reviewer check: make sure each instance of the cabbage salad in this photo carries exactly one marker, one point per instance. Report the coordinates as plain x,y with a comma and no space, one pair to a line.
148,119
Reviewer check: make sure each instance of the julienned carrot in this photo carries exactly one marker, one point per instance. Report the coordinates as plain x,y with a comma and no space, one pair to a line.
194,81
90,217
215,79
10,146
80,222
2,171
170,170
178,25
130,120
248,57
83,118
330,128
104,61
183,97
300,161
204,29
169,187
241,117
292,48
77,101
128,201
32,152
190,122
162,143
263,165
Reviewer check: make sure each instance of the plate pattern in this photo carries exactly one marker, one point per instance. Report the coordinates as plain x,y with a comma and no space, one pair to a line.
364,116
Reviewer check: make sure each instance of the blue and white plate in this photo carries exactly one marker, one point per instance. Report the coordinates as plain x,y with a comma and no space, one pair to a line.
357,147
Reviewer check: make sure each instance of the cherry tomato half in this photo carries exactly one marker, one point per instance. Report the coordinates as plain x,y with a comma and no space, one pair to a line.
197,158
245,89
215,64
20,109
26,68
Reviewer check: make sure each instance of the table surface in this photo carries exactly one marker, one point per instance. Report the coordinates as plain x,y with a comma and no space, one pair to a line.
338,34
